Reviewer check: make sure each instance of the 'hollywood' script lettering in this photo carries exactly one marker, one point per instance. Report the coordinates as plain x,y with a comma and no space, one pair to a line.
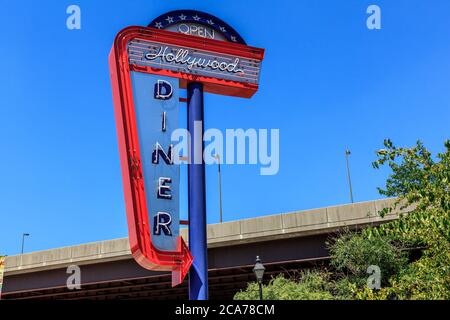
181,56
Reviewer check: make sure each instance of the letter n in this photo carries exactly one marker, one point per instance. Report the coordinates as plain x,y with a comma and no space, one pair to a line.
167,157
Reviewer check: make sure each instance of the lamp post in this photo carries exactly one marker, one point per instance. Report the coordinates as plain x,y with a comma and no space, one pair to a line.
347,154
259,269
217,156
23,240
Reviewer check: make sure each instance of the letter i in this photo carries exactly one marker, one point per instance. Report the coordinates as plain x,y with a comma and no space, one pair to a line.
163,127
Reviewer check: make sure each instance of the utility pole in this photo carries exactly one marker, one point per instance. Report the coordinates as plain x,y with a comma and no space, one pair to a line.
23,241
217,156
198,274
347,154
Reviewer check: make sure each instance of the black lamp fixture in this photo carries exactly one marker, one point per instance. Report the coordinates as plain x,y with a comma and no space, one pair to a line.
259,269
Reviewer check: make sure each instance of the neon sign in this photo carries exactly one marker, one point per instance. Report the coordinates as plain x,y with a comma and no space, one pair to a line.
194,61
148,66
183,56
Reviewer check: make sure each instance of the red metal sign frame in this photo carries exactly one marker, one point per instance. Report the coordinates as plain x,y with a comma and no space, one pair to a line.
142,249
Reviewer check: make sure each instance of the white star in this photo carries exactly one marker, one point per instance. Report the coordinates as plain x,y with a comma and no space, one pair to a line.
223,29
233,38
182,17
196,17
210,22
158,25
169,19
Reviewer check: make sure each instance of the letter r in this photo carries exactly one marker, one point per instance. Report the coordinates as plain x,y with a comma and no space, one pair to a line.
162,221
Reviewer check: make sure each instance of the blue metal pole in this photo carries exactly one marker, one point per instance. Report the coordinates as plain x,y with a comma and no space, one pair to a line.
198,275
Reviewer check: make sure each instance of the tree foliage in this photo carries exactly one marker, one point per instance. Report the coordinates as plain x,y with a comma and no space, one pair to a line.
421,186
352,254
311,286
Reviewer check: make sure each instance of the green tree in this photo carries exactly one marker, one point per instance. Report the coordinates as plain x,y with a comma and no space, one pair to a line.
352,254
421,185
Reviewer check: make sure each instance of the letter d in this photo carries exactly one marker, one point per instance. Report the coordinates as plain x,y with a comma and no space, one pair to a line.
163,90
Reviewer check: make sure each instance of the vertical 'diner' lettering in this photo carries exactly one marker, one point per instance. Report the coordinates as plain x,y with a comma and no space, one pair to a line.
156,101
163,220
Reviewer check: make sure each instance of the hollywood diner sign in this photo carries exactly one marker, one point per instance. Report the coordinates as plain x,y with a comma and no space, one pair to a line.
149,66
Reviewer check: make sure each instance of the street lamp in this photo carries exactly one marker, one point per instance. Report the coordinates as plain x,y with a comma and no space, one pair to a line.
220,186
23,240
259,269
347,154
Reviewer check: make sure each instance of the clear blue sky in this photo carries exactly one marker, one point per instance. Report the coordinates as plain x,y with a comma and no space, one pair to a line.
350,87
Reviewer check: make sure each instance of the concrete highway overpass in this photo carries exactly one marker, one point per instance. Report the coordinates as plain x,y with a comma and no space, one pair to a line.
286,243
